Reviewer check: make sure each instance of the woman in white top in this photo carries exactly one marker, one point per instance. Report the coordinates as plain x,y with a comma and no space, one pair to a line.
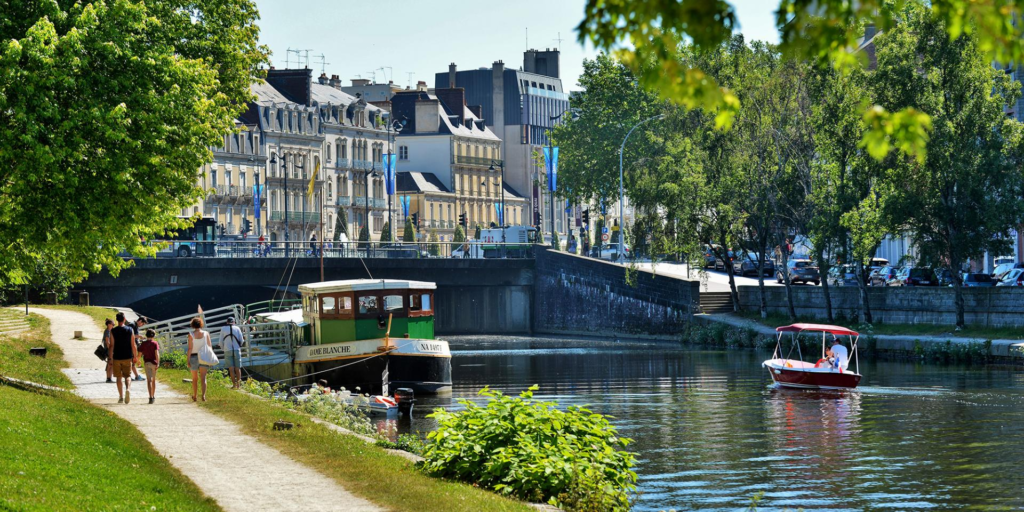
196,339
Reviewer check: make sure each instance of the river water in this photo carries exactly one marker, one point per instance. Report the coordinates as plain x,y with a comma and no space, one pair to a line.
710,431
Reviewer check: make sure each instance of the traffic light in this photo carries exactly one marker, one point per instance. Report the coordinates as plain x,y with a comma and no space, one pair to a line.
416,220
586,217
462,220
246,226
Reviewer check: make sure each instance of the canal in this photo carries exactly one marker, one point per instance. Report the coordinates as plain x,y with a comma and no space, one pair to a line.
711,432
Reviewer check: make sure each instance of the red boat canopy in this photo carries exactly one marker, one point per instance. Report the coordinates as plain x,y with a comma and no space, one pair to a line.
831,329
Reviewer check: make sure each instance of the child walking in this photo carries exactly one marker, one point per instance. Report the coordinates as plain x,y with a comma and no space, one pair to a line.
151,357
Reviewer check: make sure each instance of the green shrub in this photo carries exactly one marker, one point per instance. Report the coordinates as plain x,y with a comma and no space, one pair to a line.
528,449
176,359
405,442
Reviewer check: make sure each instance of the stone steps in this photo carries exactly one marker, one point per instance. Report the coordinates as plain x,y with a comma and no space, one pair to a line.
715,302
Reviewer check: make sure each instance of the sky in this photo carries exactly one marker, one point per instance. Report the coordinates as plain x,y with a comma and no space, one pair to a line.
421,37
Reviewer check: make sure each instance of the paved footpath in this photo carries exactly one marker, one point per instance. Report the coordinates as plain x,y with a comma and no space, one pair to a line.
239,472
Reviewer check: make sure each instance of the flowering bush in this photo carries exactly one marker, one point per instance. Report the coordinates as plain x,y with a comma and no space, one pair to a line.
528,449
337,407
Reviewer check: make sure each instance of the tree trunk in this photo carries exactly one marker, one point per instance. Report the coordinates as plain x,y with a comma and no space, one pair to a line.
862,284
823,269
958,292
732,288
787,282
760,281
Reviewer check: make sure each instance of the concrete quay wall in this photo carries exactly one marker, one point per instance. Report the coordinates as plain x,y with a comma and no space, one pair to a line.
578,295
983,307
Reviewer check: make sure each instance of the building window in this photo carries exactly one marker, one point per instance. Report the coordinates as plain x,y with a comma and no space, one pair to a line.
213,178
241,180
403,152
328,151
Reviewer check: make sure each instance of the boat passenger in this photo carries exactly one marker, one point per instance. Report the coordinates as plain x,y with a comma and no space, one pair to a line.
842,356
826,362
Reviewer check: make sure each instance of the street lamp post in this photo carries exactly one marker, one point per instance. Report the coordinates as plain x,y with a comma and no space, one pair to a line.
392,168
622,209
551,155
371,173
501,164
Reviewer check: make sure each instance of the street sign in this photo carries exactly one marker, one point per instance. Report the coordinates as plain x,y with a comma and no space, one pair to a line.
604,230
604,237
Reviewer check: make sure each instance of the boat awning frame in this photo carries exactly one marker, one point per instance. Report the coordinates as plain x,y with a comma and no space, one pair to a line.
831,329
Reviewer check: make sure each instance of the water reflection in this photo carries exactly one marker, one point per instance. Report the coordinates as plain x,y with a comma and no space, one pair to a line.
710,431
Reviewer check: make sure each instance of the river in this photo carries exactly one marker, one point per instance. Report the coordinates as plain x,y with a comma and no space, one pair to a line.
711,432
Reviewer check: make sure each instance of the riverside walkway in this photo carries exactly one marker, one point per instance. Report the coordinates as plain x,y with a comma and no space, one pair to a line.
236,470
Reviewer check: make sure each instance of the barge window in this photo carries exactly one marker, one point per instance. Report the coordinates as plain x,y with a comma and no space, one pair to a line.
419,302
368,304
329,305
394,303
346,304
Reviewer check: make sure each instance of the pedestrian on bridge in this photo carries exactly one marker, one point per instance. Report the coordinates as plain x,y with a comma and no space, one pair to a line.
231,344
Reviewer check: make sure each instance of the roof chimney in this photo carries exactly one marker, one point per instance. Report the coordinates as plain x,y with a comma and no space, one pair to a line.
421,86
335,82
322,79
451,75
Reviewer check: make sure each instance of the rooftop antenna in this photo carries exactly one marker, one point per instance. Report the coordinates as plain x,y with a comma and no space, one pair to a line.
323,62
409,85
385,74
527,38
374,75
307,56
287,58
559,40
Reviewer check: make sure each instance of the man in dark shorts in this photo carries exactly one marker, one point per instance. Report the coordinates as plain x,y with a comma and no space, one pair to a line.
123,354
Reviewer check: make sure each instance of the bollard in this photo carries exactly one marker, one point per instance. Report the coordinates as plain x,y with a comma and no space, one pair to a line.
78,335
83,299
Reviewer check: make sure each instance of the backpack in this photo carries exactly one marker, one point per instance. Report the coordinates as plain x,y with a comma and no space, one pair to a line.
231,332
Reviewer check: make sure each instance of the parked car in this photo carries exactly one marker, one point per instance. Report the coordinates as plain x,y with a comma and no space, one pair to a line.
720,262
610,252
800,271
842,275
1014,277
914,276
944,277
882,276
710,261
1004,268
746,265
398,250
978,280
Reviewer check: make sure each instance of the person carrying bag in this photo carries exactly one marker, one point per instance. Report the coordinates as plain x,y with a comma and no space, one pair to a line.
200,356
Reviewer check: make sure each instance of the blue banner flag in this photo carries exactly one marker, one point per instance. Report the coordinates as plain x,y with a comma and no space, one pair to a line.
389,164
551,164
498,212
257,191
405,205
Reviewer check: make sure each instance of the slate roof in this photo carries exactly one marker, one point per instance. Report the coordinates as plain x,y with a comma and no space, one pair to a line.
327,94
412,181
266,94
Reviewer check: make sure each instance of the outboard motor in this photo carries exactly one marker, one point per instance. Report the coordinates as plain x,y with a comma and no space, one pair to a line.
405,398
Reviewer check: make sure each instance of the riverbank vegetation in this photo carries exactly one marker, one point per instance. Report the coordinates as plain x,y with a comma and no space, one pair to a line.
365,470
946,331
529,449
63,453
717,334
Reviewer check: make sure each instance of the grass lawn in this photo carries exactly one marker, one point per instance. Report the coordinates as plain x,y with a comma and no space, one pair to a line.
363,469
946,331
63,453
15,361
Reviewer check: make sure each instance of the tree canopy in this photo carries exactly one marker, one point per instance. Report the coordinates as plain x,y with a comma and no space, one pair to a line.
107,111
647,37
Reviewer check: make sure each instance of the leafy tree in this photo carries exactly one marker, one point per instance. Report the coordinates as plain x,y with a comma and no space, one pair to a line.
385,233
109,108
364,237
408,234
340,225
965,196
646,36
434,249
459,236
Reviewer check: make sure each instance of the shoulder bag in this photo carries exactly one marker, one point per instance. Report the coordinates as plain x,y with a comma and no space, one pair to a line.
206,355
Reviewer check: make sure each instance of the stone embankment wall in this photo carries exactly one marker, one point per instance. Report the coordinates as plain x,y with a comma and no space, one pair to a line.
578,295
984,307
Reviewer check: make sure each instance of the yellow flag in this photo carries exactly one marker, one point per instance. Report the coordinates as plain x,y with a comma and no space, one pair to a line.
312,181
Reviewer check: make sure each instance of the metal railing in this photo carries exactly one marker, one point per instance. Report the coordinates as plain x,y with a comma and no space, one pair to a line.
296,216
343,201
265,343
342,163
421,249
362,164
375,202
475,160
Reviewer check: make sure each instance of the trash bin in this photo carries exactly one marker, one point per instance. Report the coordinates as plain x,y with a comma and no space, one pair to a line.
83,299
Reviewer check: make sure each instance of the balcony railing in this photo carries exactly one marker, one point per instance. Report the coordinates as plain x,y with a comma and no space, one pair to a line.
343,201
362,164
342,163
298,216
475,160
375,202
